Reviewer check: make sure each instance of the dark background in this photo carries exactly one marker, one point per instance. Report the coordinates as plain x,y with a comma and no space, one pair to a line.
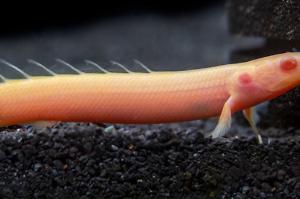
170,36
18,17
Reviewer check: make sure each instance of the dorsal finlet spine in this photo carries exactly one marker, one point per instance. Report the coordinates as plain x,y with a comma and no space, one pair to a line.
3,78
27,76
96,65
42,66
121,66
70,66
143,65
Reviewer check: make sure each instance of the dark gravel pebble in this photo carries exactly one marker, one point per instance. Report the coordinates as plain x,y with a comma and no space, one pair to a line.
2,155
81,161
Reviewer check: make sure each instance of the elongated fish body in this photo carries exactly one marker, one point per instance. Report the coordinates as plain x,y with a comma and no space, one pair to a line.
155,97
116,98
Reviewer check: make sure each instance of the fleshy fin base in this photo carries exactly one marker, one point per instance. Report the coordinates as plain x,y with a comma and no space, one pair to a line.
224,122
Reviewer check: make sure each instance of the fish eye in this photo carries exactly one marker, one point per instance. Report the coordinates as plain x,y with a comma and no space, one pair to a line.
288,64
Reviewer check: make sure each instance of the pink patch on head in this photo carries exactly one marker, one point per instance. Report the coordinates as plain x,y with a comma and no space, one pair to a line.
288,64
245,78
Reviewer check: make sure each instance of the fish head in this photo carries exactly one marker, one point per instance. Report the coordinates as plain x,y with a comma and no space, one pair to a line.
279,73
264,79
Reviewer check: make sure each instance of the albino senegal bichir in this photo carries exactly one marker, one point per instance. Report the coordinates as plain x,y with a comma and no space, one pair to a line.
147,98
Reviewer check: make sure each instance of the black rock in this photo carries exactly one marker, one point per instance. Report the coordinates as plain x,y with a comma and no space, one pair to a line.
278,19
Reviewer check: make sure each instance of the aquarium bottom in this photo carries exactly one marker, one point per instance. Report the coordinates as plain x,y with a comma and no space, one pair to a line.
160,161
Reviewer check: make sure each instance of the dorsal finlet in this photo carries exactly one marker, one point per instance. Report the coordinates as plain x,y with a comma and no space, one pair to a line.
121,66
96,65
143,65
70,66
27,76
42,66
3,78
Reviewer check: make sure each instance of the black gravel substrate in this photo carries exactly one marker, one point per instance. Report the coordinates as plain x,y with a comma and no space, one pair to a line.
90,161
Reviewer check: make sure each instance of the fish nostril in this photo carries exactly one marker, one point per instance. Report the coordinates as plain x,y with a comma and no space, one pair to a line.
288,64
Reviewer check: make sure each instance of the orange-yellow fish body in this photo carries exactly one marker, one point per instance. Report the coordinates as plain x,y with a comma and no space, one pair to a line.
116,98
155,97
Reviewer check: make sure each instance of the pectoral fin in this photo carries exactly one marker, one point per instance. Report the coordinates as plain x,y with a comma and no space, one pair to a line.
224,122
